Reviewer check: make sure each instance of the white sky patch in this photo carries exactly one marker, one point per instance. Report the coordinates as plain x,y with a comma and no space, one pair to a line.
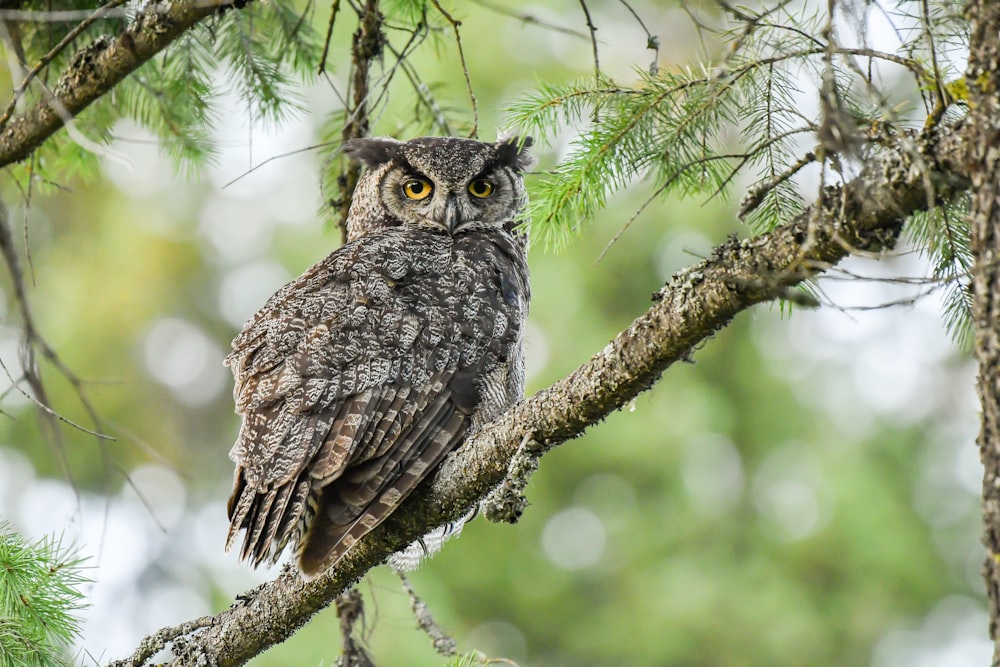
236,229
150,173
161,490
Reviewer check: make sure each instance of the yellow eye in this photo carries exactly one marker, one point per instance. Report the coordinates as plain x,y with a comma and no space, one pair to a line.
417,188
481,188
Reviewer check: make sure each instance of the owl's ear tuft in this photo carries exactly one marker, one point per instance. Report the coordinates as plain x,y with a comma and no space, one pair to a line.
514,152
373,151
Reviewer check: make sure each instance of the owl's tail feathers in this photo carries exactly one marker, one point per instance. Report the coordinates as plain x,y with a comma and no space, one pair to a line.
269,518
361,500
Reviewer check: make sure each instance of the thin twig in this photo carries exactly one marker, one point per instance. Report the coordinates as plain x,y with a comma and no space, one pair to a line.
455,24
417,37
424,95
530,19
27,215
329,35
753,199
652,41
273,158
925,19
593,39
443,643
42,406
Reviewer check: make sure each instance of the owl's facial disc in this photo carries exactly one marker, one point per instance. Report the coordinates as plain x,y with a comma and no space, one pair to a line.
441,206
449,202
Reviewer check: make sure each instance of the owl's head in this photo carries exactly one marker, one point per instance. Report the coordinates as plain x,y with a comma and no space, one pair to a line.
439,183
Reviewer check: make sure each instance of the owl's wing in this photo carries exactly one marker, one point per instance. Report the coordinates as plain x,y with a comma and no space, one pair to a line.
354,382
379,445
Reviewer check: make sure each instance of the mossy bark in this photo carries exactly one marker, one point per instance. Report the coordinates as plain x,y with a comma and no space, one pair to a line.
983,78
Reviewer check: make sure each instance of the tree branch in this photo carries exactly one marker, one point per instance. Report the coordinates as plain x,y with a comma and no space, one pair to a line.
99,67
983,79
367,47
865,215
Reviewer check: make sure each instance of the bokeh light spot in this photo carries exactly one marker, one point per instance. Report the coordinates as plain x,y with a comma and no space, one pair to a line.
574,539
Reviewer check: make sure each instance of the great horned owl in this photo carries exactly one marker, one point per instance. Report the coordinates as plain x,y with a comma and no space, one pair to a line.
357,378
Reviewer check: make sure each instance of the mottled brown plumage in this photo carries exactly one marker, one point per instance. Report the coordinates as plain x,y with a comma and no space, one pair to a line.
356,379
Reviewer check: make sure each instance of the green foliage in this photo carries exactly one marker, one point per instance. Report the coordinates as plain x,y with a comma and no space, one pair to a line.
263,46
694,130
467,660
174,98
943,235
39,591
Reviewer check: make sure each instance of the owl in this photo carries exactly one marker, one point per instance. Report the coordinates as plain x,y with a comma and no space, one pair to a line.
357,378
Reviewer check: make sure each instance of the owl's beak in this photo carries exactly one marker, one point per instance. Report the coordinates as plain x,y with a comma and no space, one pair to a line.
451,219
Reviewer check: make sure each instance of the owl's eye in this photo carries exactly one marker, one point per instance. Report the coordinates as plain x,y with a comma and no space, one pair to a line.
417,188
481,188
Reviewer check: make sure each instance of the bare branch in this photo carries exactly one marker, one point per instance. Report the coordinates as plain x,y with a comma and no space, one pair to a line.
351,610
529,19
366,48
329,34
652,41
443,643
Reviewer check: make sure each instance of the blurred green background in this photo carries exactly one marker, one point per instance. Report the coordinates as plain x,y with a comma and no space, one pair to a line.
804,493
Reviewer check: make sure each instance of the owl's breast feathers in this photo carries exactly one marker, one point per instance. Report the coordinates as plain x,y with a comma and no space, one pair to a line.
356,379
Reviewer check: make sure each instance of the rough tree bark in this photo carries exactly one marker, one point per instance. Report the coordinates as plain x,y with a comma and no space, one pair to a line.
367,46
983,78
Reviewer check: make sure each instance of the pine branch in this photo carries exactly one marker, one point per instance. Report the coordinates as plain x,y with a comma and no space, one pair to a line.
97,68
39,592
865,215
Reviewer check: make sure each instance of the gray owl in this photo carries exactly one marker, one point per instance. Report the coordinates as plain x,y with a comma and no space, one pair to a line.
356,379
